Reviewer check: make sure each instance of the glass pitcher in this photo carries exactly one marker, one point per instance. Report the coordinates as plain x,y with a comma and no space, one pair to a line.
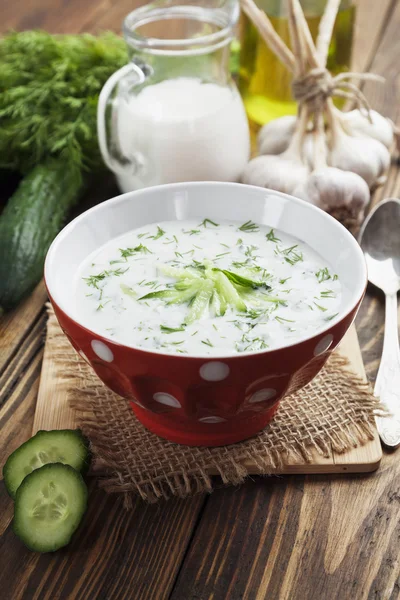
173,113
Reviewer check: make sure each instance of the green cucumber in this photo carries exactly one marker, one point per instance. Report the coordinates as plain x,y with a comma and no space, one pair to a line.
229,292
200,302
185,273
49,506
218,304
30,221
67,446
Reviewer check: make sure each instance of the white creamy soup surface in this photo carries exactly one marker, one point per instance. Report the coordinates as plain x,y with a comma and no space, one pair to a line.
206,289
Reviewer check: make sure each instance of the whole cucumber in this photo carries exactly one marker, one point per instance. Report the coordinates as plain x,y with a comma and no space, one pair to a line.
30,221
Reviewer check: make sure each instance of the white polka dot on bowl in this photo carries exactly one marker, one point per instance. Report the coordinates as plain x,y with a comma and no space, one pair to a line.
214,371
102,351
262,395
166,399
212,420
323,345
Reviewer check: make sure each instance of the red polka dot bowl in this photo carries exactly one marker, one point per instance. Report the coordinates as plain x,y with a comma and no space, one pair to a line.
191,399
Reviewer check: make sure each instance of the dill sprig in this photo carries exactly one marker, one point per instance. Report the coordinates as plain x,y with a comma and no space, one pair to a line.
127,252
165,329
156,236
271,237
204,223
48,96
249,227
323,275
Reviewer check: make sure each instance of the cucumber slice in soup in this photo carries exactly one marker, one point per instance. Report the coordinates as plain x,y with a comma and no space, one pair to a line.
201,302
66,446
229,292
49,506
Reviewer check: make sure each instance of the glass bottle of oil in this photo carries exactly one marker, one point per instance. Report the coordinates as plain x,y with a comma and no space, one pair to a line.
264,82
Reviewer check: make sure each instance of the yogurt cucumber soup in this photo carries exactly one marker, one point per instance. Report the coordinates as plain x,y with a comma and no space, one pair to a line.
206,288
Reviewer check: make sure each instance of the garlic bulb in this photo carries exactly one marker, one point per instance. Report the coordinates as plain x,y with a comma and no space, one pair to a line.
275,172
356,122
362,155
275,136
342,193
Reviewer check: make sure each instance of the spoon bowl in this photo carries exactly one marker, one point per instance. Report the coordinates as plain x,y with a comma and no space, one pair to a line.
380,241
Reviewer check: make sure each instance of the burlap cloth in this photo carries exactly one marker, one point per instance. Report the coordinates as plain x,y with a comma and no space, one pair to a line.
333,413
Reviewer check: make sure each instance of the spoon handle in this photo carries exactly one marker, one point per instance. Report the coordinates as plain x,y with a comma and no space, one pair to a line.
387,386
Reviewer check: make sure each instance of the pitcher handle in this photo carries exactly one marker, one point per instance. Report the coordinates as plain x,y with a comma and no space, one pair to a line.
109,145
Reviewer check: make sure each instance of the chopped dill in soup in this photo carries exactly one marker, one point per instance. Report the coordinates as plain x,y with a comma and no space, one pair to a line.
206,288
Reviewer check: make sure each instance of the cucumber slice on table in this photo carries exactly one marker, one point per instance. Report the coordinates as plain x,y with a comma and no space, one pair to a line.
68,446
49,506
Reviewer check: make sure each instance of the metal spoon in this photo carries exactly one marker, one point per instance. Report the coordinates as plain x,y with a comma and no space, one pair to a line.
380,241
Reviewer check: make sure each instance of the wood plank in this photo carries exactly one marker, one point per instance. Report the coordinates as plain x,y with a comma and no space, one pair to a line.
115,554
15,325
371,21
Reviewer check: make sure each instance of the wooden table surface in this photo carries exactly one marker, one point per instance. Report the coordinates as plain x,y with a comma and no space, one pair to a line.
292,538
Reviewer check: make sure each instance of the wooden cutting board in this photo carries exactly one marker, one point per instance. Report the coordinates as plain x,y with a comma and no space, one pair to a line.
53,412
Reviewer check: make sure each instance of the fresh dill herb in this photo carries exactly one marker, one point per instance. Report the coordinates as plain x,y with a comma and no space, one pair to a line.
195,333
207,342
291,255
249,227
204,223
226,245
169,242
177,343
127,252
191,252
271,236
331,317
101,306
320,307
94,280
327,294
283,281
191,231
165,329
239,242
249,251
117,272
255,313
323,275
175,239
178,255
215,327
115,262
240,265
221,254
335,277
156,236
282,320
198,247
140,235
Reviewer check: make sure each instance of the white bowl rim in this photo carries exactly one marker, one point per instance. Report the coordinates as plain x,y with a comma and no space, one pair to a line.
357,294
